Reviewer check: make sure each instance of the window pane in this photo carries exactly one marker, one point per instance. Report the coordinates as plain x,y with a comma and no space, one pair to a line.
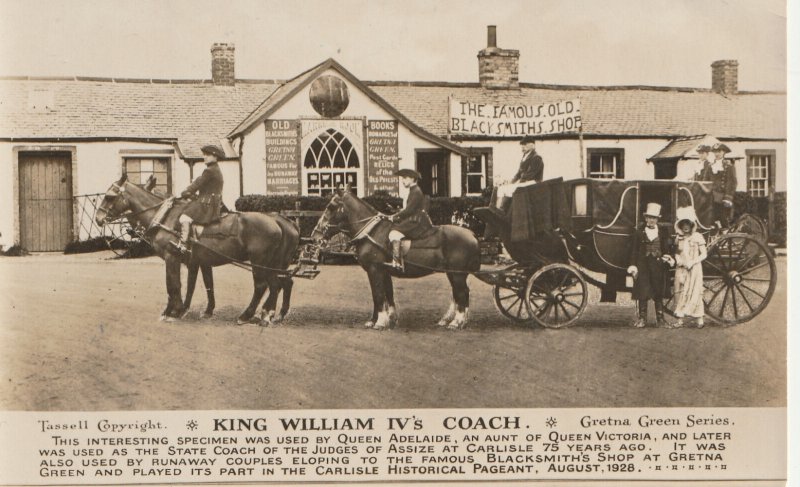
132,165
474,164
580,200
146,165
474,183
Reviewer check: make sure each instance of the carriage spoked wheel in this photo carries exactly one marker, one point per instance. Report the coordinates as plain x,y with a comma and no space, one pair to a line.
509,295
556,295
119,237
739,278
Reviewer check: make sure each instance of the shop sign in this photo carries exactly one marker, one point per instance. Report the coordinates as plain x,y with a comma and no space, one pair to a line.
513,120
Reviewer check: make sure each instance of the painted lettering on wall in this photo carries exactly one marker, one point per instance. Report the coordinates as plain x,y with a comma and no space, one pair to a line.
490,120
382,156
283,156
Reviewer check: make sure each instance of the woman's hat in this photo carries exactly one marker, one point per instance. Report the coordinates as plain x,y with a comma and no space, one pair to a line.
214,150
408,173
653,209
685,213
720,146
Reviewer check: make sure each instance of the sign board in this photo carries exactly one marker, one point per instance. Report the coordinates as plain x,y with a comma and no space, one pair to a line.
282,157
382,156
491,120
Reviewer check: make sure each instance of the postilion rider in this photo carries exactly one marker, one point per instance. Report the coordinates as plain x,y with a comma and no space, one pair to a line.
205,193
722,174
412,221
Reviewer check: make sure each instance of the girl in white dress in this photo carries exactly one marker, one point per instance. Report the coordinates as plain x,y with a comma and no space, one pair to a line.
690,253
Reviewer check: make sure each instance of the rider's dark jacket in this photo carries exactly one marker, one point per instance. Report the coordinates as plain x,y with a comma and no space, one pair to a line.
413,220
205,208
531,168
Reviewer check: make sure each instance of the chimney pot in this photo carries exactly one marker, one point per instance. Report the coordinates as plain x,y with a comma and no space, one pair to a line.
492,36
222,64
725,76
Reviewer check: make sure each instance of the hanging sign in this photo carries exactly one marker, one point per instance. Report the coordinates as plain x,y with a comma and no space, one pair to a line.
491,120
283,157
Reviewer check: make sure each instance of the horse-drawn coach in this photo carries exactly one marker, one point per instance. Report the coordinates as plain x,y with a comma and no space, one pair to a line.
564,235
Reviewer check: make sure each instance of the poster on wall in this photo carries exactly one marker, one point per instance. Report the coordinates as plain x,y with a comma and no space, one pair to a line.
382,156
282,157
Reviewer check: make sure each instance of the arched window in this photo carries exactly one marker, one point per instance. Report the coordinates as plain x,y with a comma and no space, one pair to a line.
330,161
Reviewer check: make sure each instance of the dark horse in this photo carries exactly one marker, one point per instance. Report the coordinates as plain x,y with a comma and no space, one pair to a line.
268,242
456,252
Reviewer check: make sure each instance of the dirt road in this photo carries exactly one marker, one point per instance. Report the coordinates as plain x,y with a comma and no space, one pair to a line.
81,333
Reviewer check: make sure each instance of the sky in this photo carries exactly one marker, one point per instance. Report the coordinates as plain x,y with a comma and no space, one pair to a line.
582,42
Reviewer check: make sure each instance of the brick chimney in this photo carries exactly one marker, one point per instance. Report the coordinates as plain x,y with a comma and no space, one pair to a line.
725,76
222,64
498,69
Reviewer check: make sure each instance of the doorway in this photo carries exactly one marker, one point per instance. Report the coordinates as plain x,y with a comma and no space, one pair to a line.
434,167
45,200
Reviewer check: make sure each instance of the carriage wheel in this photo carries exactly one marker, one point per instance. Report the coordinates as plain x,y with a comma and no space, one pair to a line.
556,295
510,302
751,225
119,237
739,278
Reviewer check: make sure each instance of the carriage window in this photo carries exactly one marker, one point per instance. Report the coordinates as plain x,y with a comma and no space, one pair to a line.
477,171
141,168
331,161
580,200
760,175
606,163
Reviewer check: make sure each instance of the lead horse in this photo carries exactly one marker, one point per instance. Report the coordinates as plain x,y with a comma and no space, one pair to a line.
457,253
268,242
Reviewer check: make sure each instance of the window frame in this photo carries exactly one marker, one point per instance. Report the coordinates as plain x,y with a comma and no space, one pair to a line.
619,168
126,158
332,171
770,154
486,156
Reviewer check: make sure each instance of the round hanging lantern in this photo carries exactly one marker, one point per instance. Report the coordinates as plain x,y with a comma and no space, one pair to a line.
329,96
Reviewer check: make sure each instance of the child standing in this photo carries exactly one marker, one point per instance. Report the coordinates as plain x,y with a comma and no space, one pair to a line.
689,255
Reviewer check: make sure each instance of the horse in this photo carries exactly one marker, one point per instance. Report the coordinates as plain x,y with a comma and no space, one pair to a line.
268,242
456,252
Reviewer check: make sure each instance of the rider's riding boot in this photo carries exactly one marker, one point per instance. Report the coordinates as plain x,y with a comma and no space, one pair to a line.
183,245
397,258
501,208
661,322
641,321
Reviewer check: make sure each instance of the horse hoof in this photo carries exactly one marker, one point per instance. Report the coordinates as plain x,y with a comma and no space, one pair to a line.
240,321
369,324
206,316
170,319
184,315
442,323
264,323
456,325
163,317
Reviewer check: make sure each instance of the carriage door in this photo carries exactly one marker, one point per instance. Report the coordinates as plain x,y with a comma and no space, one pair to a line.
45,200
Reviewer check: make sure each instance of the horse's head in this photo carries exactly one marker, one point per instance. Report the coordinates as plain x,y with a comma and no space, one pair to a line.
114,203
332,219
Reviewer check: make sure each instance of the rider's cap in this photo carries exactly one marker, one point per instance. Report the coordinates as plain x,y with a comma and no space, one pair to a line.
214,150
528,139
703,148
720,146
653,209
408,173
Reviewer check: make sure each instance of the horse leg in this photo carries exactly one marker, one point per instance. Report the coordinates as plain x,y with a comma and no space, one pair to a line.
259,287
174,302
458,282
376,281
208,281
286,286
391,309
191,280
268,310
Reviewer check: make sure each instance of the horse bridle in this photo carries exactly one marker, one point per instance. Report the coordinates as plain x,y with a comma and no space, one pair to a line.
339,228
127,213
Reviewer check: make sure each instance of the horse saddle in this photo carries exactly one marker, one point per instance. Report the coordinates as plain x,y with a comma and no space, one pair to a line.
226,226
432,240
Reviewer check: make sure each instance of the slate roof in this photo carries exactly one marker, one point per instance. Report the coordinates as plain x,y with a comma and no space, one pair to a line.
196,112
683,148
611,111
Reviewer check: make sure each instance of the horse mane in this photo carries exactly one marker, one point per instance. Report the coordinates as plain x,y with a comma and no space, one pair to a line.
362,201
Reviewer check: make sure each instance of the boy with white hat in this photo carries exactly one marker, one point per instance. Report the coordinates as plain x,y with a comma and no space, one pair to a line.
648,265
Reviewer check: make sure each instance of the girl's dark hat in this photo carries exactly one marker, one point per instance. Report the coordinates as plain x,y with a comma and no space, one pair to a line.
719,146
408,173
214,150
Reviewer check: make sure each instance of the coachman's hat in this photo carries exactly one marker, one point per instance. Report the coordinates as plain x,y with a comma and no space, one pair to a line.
653,209
214,150
703,148
722,147
408,173
528,139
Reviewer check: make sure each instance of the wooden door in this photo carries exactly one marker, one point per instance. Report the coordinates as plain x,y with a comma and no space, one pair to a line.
45,201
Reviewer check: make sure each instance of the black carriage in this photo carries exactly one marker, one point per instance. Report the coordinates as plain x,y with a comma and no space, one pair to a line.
564,235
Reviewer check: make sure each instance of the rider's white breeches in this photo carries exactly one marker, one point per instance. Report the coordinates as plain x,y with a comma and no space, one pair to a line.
396,236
